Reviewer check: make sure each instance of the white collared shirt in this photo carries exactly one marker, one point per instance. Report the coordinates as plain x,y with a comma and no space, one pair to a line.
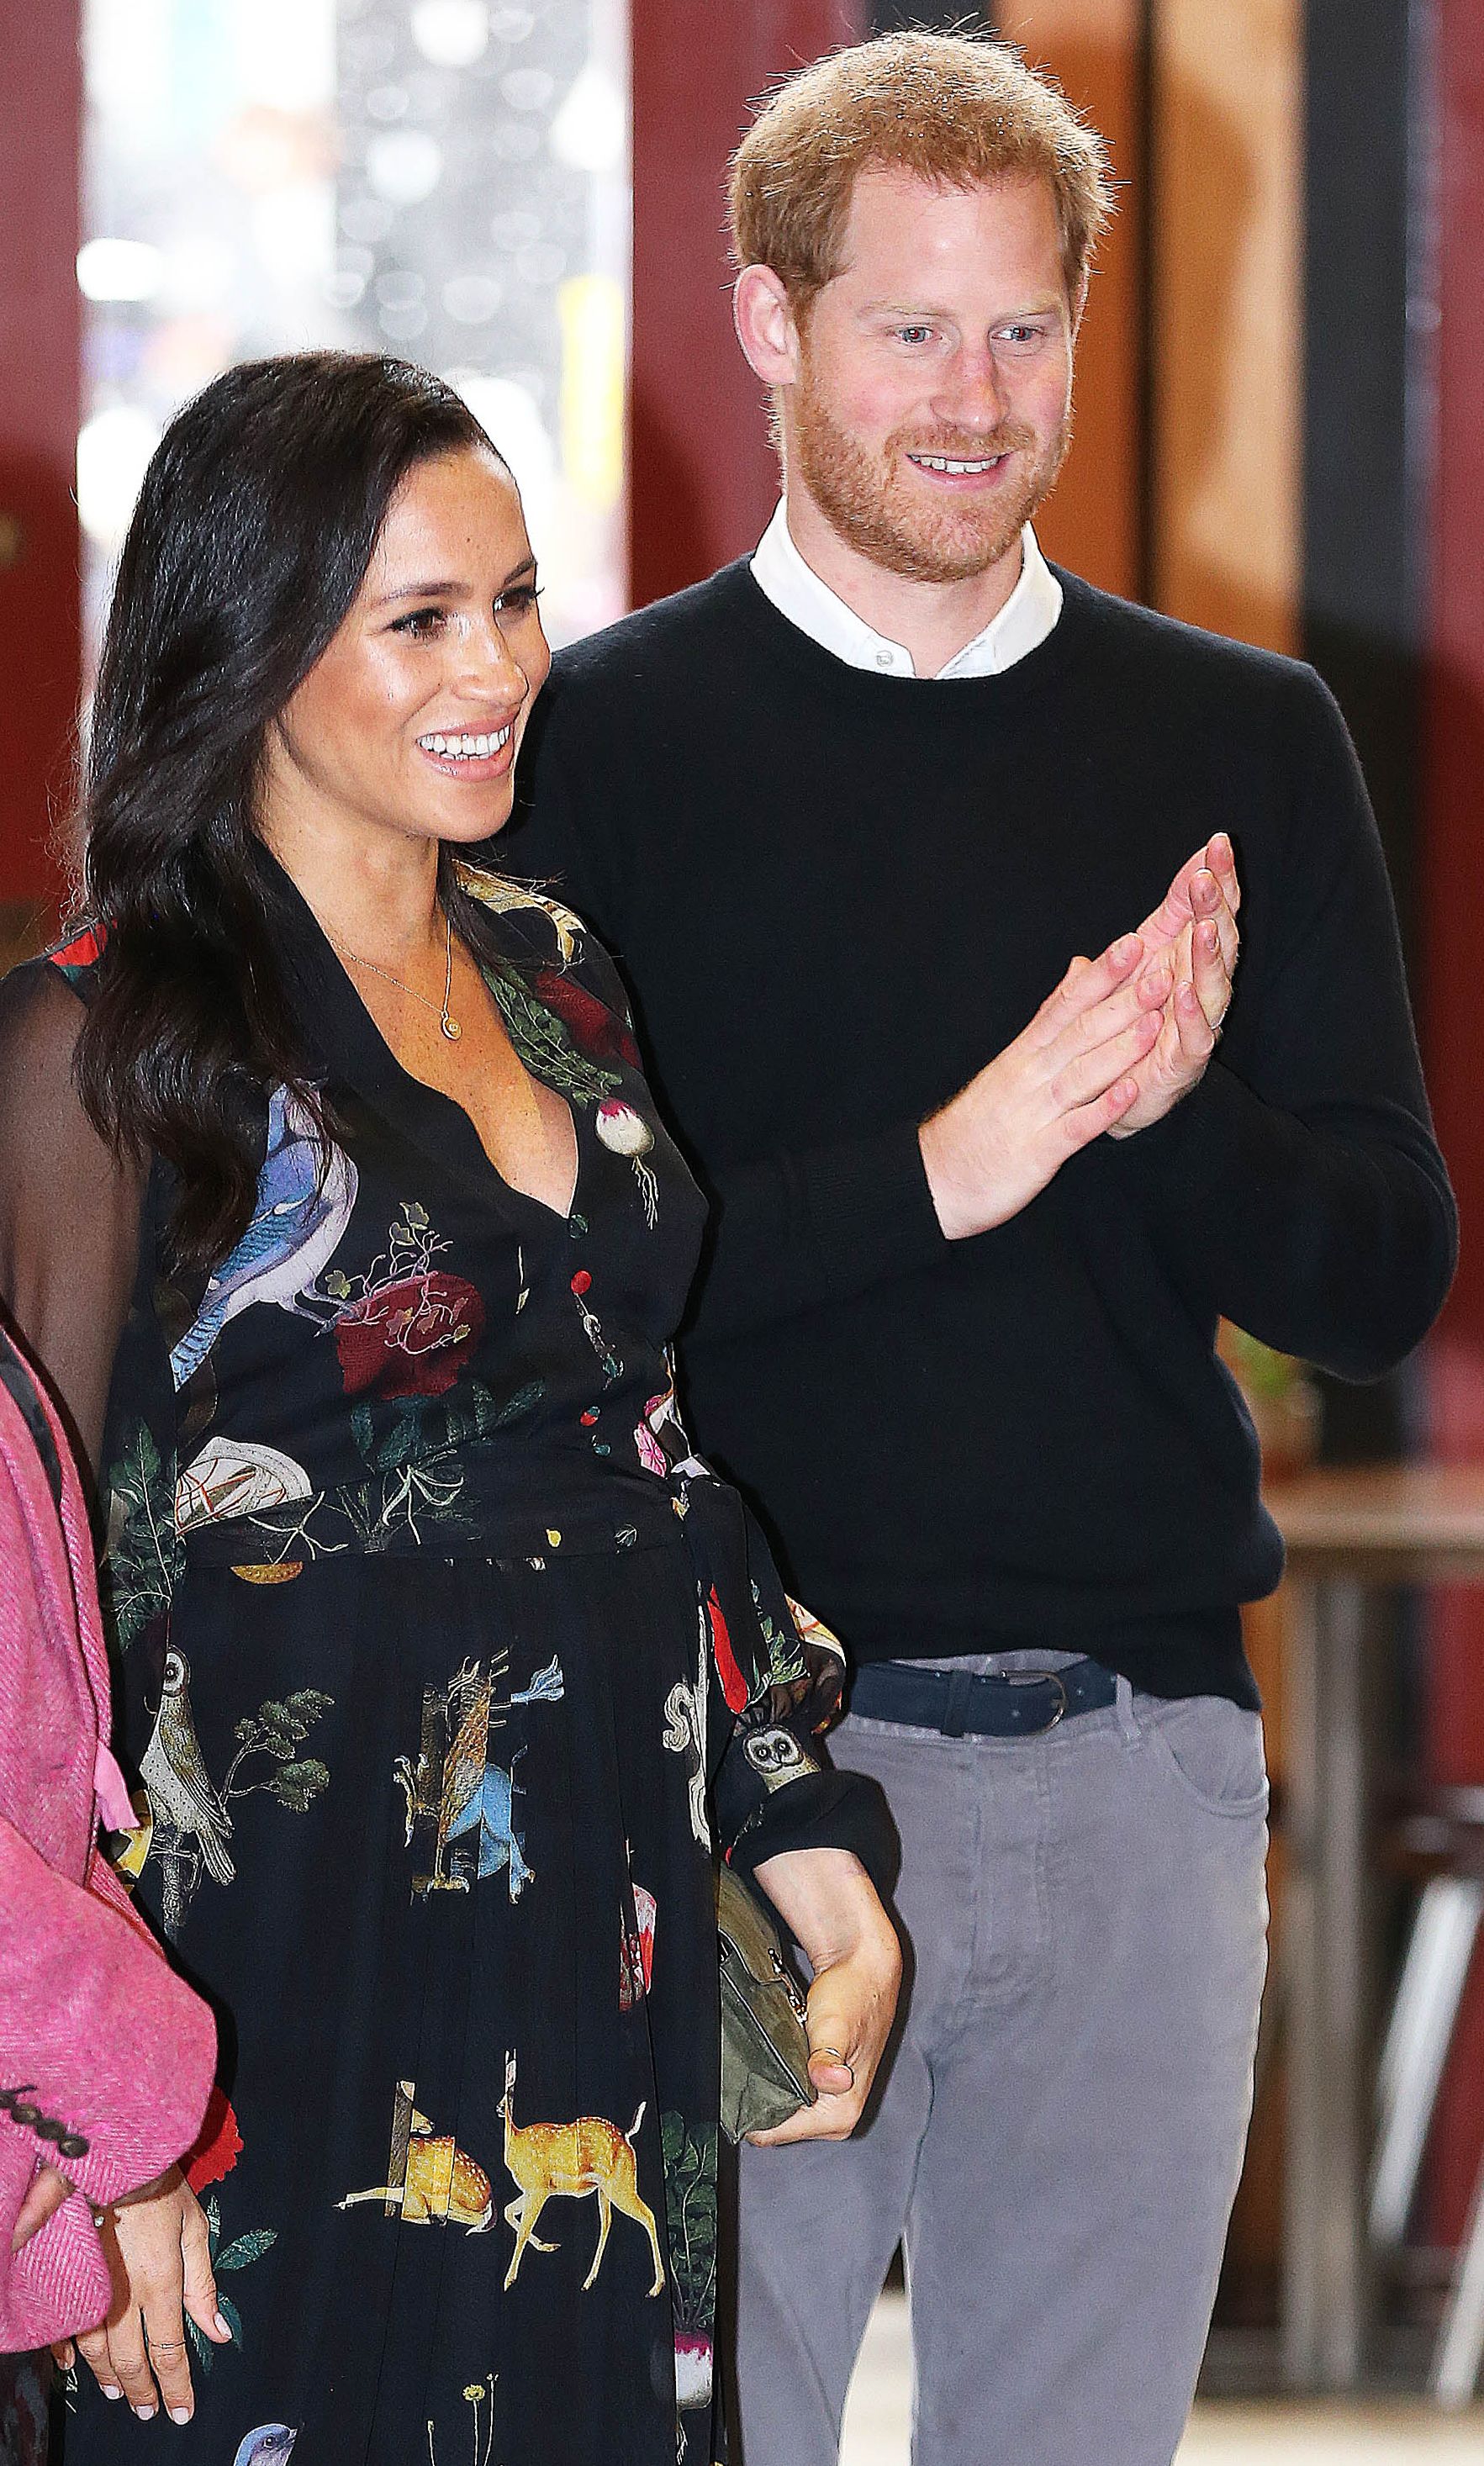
797,592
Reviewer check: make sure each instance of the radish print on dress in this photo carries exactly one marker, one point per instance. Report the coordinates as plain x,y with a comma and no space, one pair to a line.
626,1133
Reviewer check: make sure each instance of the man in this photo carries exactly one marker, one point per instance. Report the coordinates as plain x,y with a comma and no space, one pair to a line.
844,810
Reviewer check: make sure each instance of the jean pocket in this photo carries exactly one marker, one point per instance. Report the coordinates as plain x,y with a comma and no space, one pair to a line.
1211,1748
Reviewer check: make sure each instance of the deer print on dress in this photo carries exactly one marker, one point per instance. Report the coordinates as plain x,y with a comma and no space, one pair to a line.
430,2180
569,2160
456,1795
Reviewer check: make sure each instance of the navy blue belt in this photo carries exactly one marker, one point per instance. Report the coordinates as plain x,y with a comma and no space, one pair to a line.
1019,1704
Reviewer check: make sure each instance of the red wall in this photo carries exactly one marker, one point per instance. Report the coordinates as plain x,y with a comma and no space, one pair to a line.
41,342
1452,887
702,478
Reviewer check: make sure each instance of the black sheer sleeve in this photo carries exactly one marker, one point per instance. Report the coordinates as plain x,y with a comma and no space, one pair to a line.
69,1208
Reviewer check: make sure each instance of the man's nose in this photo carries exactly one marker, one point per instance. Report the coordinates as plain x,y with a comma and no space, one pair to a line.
973,393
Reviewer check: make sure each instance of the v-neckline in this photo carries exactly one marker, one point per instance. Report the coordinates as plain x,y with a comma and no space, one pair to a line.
378,1070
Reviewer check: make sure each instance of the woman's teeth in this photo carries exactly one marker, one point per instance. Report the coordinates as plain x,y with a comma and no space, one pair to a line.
467,748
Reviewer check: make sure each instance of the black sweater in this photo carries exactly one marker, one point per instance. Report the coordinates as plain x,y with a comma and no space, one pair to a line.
836,895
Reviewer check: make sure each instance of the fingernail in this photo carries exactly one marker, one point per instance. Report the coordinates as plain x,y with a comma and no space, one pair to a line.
180,2414
109,2390
223,2327
1125,947
146,2413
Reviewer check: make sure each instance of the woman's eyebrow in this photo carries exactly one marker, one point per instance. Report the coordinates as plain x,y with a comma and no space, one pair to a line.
447,590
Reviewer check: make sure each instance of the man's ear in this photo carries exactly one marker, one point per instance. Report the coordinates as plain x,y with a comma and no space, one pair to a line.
764,319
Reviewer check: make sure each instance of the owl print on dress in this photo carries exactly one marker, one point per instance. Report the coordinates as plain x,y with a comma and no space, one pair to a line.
460,1803
305,1195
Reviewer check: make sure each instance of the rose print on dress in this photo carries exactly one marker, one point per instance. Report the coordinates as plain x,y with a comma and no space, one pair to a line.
403,1326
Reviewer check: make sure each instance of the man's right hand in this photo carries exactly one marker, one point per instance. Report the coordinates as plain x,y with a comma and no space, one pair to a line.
1064,1082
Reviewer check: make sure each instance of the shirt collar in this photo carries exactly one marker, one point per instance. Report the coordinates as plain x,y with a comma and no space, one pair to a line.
797,592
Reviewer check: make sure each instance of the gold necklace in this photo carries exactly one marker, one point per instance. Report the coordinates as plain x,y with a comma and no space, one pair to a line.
449,1025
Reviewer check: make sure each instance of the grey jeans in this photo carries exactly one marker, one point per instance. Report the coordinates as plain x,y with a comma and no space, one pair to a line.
1059,2138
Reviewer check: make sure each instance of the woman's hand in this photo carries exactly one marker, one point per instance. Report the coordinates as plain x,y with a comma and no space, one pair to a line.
44,2197
159,2257
828,1900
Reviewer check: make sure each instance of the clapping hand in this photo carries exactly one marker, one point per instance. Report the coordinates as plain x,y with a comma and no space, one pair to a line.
1194,934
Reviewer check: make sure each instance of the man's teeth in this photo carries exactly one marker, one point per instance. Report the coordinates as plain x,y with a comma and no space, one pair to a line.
943,462
467,748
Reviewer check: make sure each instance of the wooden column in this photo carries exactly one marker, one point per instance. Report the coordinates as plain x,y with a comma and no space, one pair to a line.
41,345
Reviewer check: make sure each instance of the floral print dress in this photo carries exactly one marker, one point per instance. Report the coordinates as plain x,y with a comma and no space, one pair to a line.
445,1671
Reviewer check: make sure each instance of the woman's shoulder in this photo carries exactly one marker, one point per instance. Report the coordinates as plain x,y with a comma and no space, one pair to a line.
561,956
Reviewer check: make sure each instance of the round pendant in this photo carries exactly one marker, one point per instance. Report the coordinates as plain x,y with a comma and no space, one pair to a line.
451,1029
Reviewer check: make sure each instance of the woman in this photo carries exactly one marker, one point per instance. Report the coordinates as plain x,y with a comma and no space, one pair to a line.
105,2056
337,1206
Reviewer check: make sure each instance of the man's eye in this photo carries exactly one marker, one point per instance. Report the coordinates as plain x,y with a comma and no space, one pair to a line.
421,623
914,333
1021,333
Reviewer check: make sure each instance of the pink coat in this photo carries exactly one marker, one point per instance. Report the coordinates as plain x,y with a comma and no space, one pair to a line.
105,2056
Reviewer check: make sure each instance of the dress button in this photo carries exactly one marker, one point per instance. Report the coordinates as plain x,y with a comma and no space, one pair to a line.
73,2145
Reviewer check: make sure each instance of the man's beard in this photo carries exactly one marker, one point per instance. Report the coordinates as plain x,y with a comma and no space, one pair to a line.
865,500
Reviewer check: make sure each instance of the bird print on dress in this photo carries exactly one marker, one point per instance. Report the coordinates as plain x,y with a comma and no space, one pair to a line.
493,891
190,1820
192,1826
460,1804
430,2180
272,2444
305,1194
569,2160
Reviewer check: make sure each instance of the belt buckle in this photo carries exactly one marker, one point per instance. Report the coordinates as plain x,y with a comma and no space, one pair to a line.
1042,1678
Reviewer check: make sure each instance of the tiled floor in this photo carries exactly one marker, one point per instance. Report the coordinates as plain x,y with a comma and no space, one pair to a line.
878,2416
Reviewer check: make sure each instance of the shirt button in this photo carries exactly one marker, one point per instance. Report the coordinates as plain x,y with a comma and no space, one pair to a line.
886,658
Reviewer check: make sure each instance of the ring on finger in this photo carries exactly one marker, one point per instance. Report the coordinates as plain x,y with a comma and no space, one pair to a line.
164,2346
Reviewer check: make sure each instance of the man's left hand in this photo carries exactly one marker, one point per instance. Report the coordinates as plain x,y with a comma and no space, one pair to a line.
1196,927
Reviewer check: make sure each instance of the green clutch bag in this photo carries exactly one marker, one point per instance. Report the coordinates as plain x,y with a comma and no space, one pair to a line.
764,2045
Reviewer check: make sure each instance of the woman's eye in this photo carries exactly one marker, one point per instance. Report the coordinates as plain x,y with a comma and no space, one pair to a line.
421,624
519,602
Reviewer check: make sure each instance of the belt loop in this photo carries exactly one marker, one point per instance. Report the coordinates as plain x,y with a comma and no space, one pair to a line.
960,1685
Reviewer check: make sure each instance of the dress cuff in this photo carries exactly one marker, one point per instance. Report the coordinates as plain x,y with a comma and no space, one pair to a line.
825,1811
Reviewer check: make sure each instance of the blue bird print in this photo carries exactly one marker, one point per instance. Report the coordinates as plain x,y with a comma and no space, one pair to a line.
268,2446
305,1193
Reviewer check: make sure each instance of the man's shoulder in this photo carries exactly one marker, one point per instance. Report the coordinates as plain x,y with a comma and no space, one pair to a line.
1168,656
664,642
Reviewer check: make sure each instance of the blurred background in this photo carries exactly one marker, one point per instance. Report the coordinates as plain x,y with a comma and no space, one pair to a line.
1279,436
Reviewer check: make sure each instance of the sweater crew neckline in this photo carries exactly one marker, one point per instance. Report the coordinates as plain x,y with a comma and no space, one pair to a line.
971,699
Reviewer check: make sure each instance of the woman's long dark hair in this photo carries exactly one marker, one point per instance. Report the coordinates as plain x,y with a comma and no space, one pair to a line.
254,528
